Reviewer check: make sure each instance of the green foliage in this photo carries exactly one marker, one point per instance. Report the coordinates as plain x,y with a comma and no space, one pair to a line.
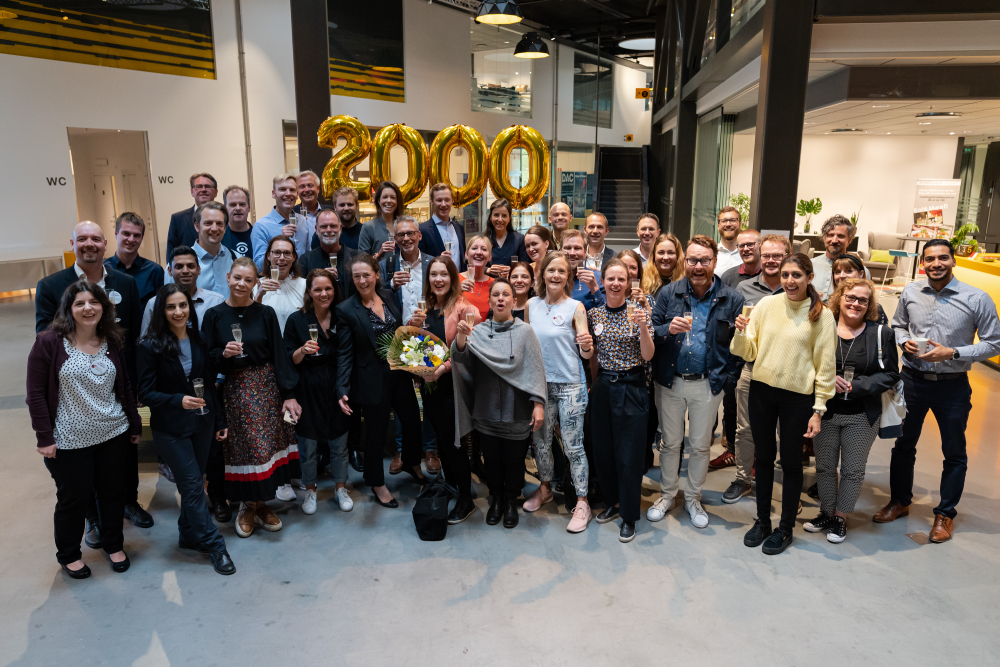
963,232
808,208
855,217
390,345
741,202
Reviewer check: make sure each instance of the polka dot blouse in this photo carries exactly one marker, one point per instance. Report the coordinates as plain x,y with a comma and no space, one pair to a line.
89,412
617,339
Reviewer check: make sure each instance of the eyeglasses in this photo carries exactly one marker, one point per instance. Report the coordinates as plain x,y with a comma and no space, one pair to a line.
281,253
751,244
860,300
694,261
732,220
777,256
204,187
406,235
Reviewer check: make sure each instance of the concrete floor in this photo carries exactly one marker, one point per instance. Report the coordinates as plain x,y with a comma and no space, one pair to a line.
362,589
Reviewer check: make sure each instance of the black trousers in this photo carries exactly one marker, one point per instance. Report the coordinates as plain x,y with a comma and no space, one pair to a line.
652,423
503,460
729,418
188,459
215,471
771,408
130,480
439,410
619,427
398,396
80,476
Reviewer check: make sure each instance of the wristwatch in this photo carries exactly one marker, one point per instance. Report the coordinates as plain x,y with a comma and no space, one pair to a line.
955,355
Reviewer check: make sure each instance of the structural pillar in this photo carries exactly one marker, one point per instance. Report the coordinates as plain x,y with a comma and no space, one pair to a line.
686,133
311,57
781,103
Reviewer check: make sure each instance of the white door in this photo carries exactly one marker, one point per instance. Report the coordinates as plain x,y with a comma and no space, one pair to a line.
105,208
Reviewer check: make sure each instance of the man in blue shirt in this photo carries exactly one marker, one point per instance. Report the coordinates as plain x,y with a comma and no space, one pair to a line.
147,274
280,221
587,289
214,259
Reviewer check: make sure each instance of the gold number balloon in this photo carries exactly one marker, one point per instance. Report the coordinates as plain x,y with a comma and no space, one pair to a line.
449,138
336,174
519,136
416,159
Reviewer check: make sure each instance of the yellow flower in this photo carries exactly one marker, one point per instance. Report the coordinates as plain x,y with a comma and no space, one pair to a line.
435,360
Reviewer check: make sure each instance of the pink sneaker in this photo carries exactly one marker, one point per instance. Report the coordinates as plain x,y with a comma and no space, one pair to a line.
537,498
581,517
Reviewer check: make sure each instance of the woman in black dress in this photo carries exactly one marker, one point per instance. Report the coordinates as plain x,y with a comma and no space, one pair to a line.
261,451
173,365
316,363
362,321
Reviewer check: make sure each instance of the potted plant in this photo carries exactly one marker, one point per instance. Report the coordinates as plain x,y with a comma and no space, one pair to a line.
808,208
963,245
741,202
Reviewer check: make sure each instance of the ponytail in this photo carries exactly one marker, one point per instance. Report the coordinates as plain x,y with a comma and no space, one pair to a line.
816,302
816,307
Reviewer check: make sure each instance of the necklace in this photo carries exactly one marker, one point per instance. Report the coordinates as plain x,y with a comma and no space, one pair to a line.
236,308
840,346
548,308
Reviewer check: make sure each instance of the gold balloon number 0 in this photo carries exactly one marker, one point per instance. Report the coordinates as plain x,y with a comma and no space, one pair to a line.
490,166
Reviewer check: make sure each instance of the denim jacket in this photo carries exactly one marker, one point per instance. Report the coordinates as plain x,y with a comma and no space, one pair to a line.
673,301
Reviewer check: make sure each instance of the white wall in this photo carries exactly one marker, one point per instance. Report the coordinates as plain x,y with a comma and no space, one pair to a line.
848,173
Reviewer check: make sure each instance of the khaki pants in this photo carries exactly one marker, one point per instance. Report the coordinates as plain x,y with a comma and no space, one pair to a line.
695,399
744,437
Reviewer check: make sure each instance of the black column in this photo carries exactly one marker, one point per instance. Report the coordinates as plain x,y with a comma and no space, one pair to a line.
311,55
781,102
684,158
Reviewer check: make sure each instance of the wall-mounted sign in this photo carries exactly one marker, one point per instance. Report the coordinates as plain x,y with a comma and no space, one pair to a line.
935,207
642,93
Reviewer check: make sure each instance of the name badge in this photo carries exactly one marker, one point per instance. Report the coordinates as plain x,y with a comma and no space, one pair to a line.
558,320
98,367
114,297
599,329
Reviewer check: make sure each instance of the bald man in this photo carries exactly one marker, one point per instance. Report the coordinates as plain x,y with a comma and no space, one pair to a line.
560,218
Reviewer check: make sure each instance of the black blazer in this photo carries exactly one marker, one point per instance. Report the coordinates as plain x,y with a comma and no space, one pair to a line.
162,386
317,259
432,244
181,231
49,291
359,368
389,265
870,382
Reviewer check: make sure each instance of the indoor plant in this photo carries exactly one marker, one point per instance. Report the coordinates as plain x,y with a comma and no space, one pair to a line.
808,208
741,202
960,241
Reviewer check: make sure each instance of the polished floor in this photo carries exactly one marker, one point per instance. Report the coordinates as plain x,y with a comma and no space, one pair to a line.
360,588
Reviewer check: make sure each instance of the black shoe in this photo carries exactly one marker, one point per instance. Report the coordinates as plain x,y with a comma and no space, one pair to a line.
607,515
122,566
495,513
357,461
627,532
222,563
184,544
819,524
777,542
93,536
756,535
221,509
838,531
419,478
813,492
558,487
510,516
139,517
82,573
392,504
463,510
168,473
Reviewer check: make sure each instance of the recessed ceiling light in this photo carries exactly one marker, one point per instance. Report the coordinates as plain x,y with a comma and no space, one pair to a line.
879,106
939,114
640,44
951,133
923,123
888,132
847,129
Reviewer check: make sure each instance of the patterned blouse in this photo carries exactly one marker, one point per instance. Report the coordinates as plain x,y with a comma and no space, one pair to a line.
381,326
617,338
89,412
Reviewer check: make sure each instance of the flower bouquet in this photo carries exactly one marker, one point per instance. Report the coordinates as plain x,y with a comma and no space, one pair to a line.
413,350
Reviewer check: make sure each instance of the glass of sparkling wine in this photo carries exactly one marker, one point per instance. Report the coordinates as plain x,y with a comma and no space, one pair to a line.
422,306
635,285
274,273
333,261
470,317
848,377
199,391
447,246
630,311
690,318
314,335
746,315
238,337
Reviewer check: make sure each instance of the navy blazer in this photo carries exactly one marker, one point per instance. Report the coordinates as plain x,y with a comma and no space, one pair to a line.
49,292
389,265
162,386
673,300
357,356
181,231
513,246
432,244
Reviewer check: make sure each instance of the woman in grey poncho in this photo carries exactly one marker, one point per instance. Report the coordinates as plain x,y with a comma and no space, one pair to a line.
499,380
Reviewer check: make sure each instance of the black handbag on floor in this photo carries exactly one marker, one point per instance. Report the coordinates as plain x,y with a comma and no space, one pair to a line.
430,512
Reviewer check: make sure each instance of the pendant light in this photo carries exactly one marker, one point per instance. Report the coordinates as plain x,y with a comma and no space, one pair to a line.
498,12
531,46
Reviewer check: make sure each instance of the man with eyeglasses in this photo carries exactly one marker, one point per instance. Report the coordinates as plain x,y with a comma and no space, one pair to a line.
946,315
773,250
729,224
693,325
204,188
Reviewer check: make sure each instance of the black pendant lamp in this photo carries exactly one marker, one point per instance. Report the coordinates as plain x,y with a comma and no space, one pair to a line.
531,46
498,12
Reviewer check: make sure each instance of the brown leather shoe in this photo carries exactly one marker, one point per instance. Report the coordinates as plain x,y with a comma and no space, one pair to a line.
942,530
396,466
891,512
245,519
266,518
433,462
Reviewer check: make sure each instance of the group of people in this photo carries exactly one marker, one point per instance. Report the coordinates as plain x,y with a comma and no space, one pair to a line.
261,362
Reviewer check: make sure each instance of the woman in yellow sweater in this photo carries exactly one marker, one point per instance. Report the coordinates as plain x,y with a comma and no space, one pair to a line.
791,339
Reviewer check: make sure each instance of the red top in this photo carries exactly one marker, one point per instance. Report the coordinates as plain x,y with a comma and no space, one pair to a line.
480,296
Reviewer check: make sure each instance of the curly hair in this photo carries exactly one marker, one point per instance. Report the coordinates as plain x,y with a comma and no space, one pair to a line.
846,285
107,328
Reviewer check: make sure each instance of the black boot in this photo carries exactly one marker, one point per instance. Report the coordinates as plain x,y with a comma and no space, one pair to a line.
463,510
357,461
495,513
93,536
510,516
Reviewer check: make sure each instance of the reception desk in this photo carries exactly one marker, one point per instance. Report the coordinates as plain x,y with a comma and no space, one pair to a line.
984,275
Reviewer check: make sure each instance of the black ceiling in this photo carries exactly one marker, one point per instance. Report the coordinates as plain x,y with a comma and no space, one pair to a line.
582,20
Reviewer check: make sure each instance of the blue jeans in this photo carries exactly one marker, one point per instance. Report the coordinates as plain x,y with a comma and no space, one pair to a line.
309,457
951,402
568,404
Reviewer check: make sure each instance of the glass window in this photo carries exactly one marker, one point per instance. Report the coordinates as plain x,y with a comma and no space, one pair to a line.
501,83
593,89
741,13
366,56
708,48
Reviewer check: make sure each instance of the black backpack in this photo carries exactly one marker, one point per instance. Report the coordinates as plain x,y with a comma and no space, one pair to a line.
430,512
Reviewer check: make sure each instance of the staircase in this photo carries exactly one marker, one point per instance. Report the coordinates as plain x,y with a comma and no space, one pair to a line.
621,192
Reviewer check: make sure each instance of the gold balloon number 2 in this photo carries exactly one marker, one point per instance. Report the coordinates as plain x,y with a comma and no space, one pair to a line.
490,166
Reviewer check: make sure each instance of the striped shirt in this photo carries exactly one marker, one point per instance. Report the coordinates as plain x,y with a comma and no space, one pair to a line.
951,317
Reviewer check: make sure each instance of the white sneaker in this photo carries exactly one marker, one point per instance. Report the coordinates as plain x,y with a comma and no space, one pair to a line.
660,509
309,504
285,492
699,517
344,500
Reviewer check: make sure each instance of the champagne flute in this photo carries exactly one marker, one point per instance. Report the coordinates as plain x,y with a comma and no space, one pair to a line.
199,391
848,377
690,318
422,306
314,335
238,337
470,317
274,273
747,309
447,246
333,261
630,311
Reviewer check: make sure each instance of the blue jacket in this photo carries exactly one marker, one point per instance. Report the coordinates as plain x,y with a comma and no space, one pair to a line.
673,301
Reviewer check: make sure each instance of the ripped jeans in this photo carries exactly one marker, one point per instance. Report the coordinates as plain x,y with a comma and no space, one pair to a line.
568,403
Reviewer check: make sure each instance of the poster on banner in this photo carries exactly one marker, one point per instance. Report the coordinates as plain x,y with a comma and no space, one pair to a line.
935,208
